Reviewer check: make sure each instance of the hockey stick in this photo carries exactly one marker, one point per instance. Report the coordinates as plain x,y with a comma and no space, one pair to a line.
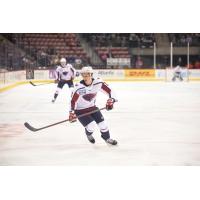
38,84
31,128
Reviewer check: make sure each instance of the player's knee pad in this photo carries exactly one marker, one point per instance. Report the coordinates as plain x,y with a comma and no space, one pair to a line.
103,126
90,127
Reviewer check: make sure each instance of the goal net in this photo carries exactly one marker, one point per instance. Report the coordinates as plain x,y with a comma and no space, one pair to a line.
170,75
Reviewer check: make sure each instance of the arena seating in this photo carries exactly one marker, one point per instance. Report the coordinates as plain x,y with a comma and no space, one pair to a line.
61,44
131,40
45,49
10,56
117,45
182,39
114,52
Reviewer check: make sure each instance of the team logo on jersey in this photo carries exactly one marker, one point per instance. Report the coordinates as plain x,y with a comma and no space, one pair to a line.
65,73
89,97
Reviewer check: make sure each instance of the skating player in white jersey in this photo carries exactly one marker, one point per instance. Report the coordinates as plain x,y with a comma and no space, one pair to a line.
83,101
177,73
65,74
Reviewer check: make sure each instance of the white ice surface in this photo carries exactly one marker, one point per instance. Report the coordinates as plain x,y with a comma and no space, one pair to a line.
155,123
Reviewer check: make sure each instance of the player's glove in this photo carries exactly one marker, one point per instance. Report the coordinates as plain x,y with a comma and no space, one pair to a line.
109,104
56,81
72,117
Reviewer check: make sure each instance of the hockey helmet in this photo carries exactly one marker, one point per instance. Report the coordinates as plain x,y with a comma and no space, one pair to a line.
87,70
63,61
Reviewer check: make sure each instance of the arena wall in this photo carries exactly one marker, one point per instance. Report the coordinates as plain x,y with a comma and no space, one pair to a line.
11,79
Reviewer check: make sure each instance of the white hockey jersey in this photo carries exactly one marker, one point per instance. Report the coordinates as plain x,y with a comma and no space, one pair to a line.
84,96
65,73
177,69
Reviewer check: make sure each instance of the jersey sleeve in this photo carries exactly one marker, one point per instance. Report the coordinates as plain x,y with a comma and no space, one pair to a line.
105,88
57,73
73,72
74,99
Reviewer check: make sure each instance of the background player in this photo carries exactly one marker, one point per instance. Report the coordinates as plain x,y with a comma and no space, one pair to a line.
83,101
65,74
177,73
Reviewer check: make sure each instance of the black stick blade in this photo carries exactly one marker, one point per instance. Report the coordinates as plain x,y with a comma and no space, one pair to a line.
32,83
28,126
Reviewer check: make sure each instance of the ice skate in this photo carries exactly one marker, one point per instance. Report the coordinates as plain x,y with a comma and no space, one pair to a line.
111,141
91,138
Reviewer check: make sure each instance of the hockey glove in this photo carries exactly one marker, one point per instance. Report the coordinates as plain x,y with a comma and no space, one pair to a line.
72,117
109,104
56,81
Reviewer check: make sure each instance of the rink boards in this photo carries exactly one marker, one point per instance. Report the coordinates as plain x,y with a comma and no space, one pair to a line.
9,80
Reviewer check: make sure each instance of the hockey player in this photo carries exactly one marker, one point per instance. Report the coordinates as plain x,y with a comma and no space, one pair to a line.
83,101
65,74
177,73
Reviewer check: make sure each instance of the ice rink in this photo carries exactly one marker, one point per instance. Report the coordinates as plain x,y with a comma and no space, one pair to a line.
155,123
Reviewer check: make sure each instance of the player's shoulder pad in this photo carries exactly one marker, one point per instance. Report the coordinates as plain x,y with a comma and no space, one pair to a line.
78,86
58,67
97,80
